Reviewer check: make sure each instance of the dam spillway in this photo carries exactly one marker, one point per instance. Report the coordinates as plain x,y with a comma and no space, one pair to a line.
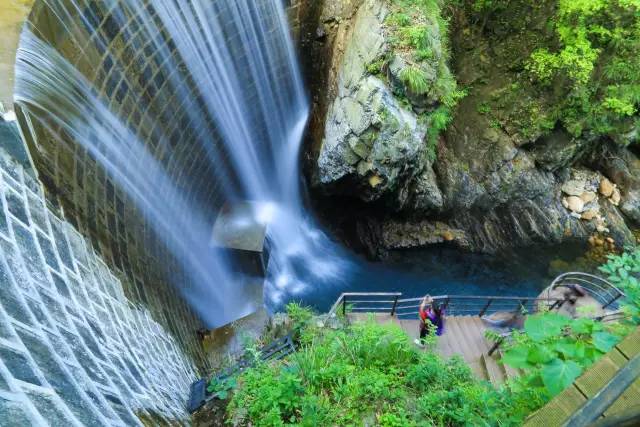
142,119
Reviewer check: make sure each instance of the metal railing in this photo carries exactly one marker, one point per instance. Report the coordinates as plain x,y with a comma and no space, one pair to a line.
454,305
607,294
459,305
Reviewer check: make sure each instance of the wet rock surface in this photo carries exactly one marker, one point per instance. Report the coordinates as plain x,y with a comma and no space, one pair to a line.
373,146
497,181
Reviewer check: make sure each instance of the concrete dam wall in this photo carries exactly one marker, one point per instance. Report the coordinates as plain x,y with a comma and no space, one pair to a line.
93,330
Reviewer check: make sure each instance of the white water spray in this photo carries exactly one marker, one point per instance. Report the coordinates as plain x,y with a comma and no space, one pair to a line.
239,56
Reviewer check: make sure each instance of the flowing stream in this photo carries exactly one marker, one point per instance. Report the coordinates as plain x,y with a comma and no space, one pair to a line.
244,123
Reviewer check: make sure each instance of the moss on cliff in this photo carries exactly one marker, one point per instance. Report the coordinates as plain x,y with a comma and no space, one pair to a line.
416,63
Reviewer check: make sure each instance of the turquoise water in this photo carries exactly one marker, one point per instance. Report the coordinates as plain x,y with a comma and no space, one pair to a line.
444,270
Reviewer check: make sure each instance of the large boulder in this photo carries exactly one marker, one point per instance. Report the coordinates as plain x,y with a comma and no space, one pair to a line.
373,146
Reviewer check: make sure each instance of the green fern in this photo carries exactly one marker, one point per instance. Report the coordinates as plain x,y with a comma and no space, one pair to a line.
415,80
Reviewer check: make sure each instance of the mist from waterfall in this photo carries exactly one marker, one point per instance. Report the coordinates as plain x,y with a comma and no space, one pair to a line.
240,56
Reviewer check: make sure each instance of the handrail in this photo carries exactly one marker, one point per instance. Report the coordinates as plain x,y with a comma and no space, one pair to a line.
468,304
601,289
605,292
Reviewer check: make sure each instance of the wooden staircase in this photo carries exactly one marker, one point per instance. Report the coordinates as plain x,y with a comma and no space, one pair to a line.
463,336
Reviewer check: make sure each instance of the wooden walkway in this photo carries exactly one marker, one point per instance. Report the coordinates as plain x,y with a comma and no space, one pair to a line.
558,411
463,336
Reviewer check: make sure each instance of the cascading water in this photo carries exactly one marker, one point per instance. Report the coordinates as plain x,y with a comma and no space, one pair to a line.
227,73
239,56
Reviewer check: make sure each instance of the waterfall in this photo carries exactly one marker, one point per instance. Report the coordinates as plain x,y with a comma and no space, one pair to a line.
229,71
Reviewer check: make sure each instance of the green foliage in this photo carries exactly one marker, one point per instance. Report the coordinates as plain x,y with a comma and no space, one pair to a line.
553,350
222,386
624,272
299,316
483,108
411,24
369,372
489,5
415,79
376,66
595,59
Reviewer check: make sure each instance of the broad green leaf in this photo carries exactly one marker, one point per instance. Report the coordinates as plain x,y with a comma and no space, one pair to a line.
604,341
582,325
539,327
539,354
559,374
517,358
568,348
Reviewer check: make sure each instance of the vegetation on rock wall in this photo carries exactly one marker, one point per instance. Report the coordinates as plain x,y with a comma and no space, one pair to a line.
624,272
590,65
417,63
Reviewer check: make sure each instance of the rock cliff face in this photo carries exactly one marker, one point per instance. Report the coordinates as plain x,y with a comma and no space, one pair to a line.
492,180
373,147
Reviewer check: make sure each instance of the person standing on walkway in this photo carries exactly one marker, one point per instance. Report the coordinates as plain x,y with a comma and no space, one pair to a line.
431,316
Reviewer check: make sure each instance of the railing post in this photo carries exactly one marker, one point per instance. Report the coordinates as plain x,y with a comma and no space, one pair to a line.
523,305
344,305
612,301
395,304
496,345
485,308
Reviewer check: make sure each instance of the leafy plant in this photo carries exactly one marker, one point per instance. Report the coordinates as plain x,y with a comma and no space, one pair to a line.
624,272
299,316
222,386
595,57
415,79
554,350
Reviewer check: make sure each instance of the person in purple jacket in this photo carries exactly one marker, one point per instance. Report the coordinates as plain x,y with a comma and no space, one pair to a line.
431,316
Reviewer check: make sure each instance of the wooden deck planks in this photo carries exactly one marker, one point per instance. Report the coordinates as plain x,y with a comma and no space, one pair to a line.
556,412
591,382
463,336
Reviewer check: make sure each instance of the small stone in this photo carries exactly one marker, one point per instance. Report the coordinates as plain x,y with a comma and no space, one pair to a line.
602,229
610,240
606,187
575,204
447,236
565,203
375,180
588,196
576,215
615,197
590,214
321,34
573,187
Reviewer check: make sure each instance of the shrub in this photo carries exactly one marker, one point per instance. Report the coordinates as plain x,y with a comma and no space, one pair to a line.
554,350
624,272
596,60
367,372
415,79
